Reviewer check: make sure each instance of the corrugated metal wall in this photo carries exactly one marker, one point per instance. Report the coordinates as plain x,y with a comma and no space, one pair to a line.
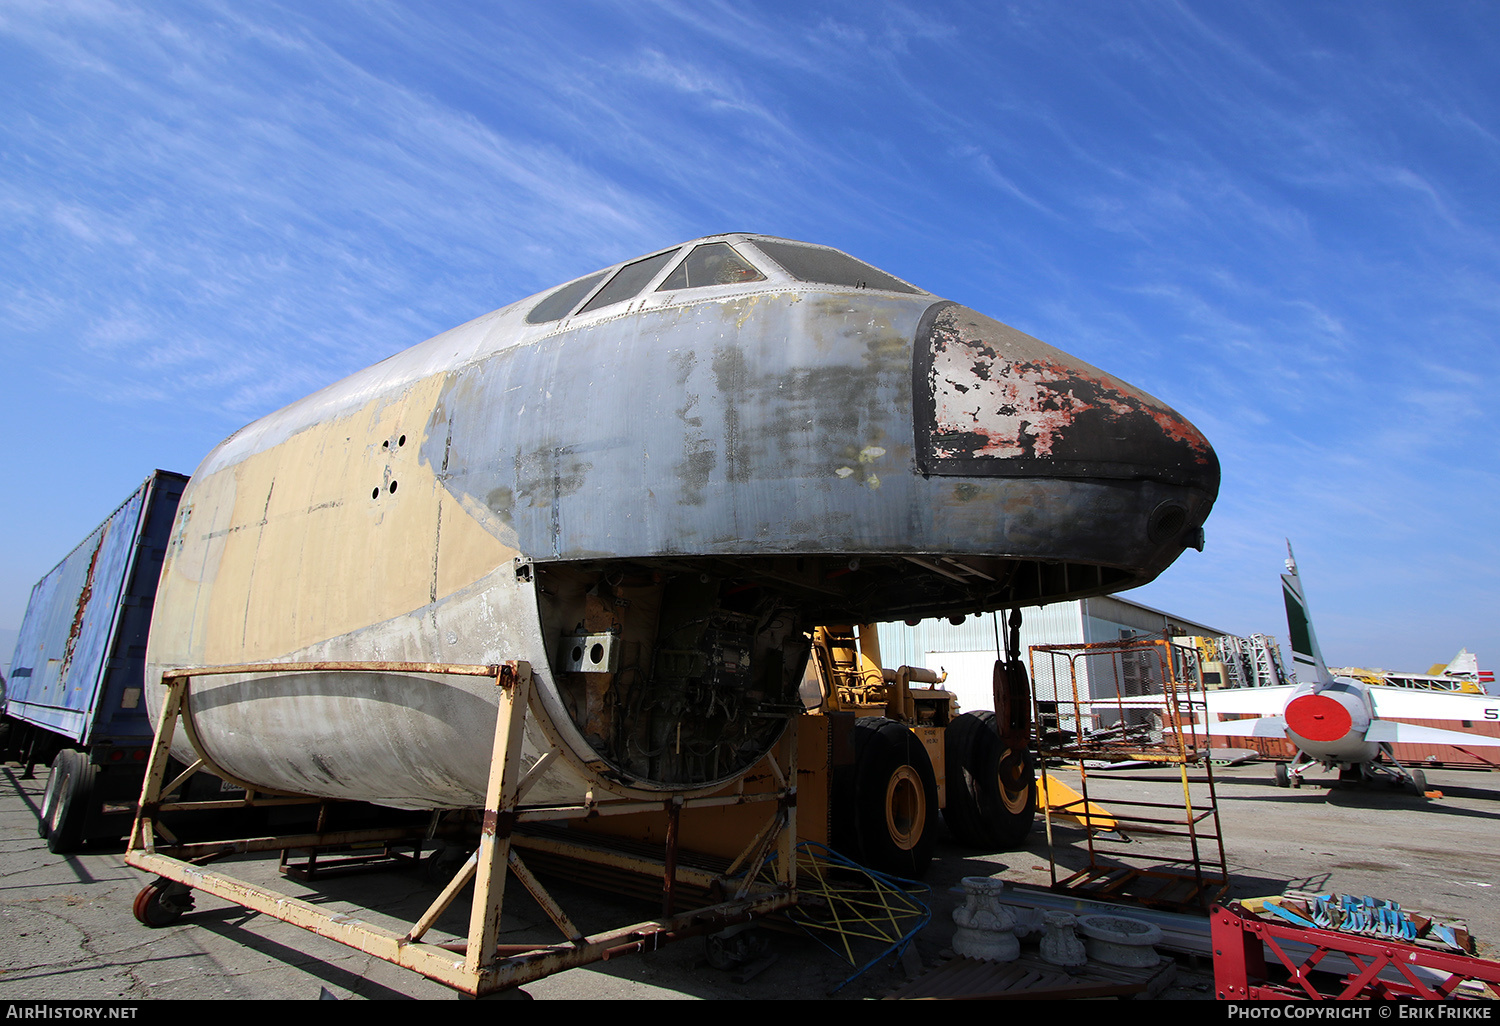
1119,613
1057,624
967,650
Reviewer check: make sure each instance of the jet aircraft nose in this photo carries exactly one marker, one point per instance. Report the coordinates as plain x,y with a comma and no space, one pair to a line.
991,401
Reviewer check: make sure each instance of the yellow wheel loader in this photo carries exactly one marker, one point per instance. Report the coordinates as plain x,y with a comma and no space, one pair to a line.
880,754
915,753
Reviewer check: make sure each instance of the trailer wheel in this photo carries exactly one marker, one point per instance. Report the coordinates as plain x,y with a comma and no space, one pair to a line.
895,798
70,801
49,805
155,906
991,788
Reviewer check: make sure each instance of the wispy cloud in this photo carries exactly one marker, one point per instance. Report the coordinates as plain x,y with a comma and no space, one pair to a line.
1279,221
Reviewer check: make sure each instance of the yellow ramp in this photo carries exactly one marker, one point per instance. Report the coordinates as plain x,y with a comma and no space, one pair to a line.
1064,801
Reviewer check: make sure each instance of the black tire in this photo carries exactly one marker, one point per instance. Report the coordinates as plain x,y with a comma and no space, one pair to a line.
992,794
895,798
1419,781
961,813
48,806
71,786
1283,778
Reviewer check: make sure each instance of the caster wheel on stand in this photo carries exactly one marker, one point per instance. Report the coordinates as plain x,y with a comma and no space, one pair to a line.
162,903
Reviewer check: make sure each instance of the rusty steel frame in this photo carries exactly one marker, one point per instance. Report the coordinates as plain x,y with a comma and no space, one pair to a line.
1180,746
1384,969
483,965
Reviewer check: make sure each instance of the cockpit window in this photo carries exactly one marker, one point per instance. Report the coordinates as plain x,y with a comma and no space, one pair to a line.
713,263
556,306
829,267
629,281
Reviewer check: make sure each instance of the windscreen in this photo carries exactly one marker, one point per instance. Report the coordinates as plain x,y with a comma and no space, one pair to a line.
629,281
829,267
557,305
713,263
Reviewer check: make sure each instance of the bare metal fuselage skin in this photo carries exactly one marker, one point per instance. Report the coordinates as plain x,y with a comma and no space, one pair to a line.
693,477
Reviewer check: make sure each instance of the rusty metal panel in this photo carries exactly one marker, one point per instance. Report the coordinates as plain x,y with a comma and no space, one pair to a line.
77,668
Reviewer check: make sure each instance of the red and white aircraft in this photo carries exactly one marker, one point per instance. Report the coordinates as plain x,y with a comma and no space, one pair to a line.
1341,723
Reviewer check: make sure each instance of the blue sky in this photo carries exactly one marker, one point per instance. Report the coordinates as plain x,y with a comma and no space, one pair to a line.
1281,218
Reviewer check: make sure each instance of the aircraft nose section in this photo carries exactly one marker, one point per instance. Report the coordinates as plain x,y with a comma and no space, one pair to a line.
992,401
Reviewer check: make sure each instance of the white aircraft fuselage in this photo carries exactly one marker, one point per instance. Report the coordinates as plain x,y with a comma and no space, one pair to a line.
647,483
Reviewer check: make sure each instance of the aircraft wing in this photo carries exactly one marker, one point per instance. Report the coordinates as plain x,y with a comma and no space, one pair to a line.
1396,733
1239,701
1265,726
1268,701
1418,704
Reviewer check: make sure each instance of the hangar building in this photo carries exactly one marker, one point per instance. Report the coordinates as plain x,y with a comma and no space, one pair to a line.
968,650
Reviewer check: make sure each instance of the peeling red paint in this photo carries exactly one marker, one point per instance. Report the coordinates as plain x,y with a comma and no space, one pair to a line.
991,406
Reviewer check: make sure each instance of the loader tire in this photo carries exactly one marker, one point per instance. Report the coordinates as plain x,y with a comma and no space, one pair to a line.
961,813
895,798
992,792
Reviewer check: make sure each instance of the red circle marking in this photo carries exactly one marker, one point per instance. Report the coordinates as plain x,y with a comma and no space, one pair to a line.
1317,718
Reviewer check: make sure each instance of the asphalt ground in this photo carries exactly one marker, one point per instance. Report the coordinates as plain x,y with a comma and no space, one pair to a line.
69,934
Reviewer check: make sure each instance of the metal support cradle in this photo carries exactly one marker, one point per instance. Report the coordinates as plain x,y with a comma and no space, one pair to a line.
485,965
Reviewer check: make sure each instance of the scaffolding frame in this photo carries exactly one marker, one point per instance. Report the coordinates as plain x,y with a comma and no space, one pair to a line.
483,965
1128,723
